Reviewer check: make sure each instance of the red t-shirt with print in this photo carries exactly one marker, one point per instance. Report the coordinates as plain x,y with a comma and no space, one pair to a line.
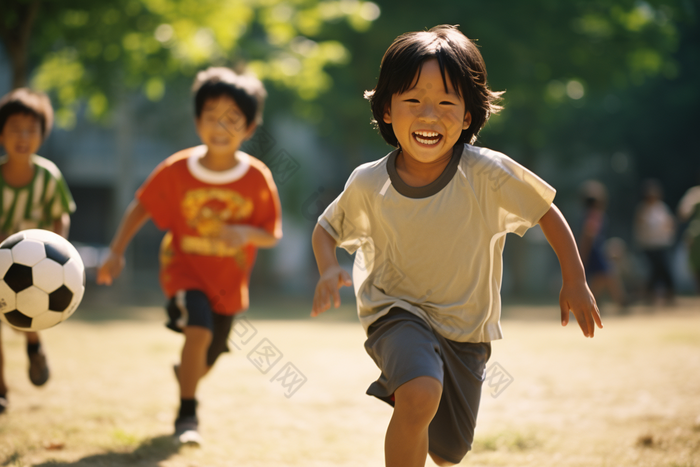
193,203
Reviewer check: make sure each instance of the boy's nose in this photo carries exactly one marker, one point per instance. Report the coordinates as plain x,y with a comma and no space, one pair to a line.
428,112
24,134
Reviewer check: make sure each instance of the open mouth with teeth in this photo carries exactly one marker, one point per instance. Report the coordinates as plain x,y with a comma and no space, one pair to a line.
427,137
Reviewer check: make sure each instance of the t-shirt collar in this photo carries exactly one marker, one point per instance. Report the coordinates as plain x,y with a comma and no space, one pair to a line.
216,177
427,190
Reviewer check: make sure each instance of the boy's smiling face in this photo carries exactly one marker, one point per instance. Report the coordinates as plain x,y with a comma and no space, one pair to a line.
21,136
428,119
222,127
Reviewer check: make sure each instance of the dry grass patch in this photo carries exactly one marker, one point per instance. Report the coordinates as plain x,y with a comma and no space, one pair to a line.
628,397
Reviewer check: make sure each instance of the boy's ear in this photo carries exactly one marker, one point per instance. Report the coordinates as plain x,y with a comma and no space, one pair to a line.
467,120
251,130
387,115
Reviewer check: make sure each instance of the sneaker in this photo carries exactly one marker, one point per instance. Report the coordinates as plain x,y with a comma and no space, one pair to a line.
186,431
3,403
38,369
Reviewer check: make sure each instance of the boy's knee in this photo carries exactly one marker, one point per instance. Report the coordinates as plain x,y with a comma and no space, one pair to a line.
420,396
197,336
439,460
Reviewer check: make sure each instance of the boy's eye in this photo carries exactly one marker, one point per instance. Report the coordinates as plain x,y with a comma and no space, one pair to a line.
447,103
411,100
19,130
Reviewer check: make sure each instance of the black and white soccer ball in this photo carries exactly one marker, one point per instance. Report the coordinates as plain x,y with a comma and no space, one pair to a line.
42,280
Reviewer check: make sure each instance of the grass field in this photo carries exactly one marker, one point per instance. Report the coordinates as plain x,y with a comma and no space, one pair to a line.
628,397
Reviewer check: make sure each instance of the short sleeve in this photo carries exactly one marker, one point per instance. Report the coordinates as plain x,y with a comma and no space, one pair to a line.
346,218
688,203
267,213
62,199
55,198
513,198
155,193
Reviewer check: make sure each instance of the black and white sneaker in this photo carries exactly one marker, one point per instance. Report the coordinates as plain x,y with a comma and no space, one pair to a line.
186,431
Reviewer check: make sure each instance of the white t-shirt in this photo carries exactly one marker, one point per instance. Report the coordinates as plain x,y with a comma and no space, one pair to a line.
436,250
655,226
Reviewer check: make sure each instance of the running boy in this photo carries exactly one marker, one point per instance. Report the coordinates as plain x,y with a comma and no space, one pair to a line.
33,194
218,205
430,220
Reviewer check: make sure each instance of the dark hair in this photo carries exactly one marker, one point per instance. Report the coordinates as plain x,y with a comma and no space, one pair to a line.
594,194
456,55
651,187
28,102
246,90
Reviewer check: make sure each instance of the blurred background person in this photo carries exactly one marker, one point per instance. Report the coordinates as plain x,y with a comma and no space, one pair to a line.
689,211
654,230
592,239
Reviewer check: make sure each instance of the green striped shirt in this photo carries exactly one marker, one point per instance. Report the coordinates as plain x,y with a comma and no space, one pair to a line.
39,203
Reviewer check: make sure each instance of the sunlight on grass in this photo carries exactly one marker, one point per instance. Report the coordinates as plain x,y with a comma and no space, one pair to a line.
122,438
509,440
627,398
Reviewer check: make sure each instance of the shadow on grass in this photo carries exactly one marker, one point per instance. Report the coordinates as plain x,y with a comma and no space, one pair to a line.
149,454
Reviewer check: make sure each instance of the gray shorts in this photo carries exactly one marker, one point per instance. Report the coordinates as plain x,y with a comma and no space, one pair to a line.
404,347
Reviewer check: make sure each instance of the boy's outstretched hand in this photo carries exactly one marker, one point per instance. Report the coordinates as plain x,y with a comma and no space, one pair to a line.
110,268
327,288
575,295
578,299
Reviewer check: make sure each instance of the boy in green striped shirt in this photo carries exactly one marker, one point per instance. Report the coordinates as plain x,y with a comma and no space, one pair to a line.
33,194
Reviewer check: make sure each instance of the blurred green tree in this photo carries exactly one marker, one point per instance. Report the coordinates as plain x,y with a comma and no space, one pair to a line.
81,49
552,58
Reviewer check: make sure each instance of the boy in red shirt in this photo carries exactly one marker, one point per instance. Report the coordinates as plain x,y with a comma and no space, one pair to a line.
218,205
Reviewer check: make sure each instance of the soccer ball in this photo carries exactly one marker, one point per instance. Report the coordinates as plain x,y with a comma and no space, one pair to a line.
42,280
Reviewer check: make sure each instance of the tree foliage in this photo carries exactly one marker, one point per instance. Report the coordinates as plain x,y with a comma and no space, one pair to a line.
81,49
552,58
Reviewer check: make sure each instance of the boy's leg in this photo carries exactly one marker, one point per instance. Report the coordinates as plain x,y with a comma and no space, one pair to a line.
194,360
406,349
406,443
190,313
219,339
192,367
439,460
38,368
3,388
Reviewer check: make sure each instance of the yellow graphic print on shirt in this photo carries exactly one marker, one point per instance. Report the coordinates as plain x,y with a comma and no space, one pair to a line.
208,210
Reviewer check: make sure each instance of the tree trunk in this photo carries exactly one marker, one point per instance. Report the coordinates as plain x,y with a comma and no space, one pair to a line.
16,39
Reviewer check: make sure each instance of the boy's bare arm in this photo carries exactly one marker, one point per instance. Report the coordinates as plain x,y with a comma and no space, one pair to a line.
133,219
333,277
239,235
62,225
575,294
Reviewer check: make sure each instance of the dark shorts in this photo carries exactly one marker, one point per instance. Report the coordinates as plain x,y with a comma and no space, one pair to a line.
597,262
404,347
192,308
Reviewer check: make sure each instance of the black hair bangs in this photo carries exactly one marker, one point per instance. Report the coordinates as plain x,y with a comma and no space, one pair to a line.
245,90
27,102
407,79
213,90
459,61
